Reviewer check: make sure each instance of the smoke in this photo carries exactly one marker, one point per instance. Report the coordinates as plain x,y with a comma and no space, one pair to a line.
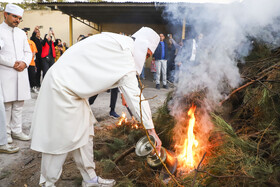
228,30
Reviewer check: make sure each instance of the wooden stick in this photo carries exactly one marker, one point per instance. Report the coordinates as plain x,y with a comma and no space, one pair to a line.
244,86
124,154
197,169
184,28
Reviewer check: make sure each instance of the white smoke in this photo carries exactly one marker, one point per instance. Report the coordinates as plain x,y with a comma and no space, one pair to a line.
228,30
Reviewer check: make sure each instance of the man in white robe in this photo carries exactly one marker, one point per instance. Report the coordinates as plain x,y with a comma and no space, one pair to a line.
13,75
4,146
63,120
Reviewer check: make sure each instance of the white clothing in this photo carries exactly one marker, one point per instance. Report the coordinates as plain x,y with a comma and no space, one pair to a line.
161,66
3,131
14,116
145,38
14,9
51,165
15,85
63,120
193,54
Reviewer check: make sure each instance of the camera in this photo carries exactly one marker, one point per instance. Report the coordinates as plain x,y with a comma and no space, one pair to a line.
51,29
25,29
41,26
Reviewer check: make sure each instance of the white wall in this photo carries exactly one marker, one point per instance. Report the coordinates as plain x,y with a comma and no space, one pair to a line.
55,19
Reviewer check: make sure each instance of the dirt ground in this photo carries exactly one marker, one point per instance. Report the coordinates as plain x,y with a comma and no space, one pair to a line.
23,168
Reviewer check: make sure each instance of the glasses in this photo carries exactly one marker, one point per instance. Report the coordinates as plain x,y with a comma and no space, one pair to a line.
16,17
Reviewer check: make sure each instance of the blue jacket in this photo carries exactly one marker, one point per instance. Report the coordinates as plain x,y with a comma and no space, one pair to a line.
158,51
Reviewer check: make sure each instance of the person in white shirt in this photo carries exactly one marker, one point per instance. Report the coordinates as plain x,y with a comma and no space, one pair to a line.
13,75
4,146
63,121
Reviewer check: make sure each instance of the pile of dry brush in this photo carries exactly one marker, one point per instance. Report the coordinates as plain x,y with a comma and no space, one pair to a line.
246,135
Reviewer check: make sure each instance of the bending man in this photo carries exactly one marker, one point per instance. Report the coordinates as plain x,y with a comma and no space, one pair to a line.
63,121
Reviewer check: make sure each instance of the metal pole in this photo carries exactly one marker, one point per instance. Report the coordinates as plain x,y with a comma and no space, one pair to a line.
183,28
70,31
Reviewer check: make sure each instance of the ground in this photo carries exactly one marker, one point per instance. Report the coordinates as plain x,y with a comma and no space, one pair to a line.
23,168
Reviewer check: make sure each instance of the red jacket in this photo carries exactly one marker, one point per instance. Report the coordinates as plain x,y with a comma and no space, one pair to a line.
46,48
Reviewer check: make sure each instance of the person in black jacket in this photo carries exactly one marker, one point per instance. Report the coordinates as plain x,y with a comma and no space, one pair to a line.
36,38
161,56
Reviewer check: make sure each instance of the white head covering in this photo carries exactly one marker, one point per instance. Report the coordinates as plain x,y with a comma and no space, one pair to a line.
144,38
14,9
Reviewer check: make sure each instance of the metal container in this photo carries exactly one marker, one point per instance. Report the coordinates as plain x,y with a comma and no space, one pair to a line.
144,148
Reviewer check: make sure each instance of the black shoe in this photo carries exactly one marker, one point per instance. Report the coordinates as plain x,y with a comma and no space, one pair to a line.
114,115
165,86
157,86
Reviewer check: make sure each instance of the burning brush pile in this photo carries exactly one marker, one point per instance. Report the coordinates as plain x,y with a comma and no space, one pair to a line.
239,144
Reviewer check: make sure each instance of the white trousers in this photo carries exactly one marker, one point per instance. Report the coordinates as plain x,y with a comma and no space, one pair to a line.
51,164
14,116
3,131
161,66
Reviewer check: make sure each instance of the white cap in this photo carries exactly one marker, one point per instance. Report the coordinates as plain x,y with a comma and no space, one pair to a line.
14,9
145,38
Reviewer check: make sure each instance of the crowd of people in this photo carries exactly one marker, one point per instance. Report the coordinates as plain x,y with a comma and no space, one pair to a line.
45,52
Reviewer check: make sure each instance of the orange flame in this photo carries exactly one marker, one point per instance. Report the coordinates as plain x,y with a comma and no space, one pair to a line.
186,152
123,121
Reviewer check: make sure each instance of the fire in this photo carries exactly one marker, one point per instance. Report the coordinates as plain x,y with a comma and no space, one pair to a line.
186,148
123,121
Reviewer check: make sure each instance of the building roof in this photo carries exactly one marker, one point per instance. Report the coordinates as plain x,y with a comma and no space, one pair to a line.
109,12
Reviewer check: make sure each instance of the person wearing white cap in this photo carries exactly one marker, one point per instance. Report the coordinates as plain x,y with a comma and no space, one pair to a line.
4,146
63,120
13,75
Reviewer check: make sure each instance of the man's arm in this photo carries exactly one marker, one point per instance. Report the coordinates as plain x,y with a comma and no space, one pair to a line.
7,61
131,93
27,57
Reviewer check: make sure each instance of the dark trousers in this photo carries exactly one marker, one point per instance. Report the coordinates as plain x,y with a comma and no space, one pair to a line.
113,101
32,76
46,64
39,67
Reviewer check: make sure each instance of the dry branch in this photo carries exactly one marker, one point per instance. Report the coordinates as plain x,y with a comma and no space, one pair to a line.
197,169
266,72
124,154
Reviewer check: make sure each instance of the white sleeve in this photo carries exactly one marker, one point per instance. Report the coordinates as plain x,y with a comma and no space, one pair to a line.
7,61
27,53
131,92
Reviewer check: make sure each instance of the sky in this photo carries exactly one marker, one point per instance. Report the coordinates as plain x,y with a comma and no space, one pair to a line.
194,1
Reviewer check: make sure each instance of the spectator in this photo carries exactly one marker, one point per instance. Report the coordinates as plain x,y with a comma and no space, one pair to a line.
65,47
172,48
32,67
154,70
142,75
188,52
36,38
59,49
113,101
48,52
161,56
14,76
4,146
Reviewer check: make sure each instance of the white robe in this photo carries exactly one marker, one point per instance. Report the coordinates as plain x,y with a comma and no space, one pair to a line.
15,85
62,119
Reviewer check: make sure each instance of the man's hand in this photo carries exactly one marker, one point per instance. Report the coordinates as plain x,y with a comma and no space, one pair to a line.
19,66
153,133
